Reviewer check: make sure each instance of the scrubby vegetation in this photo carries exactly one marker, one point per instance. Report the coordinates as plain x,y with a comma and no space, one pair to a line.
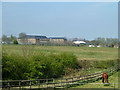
113,83
97,64
35,62
82,53
38,66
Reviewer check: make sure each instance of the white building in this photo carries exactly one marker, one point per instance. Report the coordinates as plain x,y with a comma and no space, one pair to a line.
91,45
79,42
99,46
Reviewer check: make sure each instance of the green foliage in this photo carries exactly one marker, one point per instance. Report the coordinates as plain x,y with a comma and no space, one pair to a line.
107,84
106,41
104,64
37,66
111,45
82,53
33,62
14,67
15,42
11,38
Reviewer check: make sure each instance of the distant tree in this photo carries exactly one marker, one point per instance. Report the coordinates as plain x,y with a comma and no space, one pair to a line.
22,35
5,39
108,41
15,42
95,42
23,39
115,41
12,38
111,42
101,41
111,45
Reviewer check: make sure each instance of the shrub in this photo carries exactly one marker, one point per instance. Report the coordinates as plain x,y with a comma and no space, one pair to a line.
37,66
14,67
104,64
15,42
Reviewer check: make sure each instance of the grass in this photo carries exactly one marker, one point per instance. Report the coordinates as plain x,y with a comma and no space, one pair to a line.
113,80
84,72
83,53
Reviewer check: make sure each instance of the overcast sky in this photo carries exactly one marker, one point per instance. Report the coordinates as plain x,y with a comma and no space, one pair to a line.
87,20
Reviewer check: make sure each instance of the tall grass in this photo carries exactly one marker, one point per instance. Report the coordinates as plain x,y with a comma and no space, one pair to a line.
82,53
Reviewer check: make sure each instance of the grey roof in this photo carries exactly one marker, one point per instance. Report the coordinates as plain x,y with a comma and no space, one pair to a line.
43,37
35,37
57,38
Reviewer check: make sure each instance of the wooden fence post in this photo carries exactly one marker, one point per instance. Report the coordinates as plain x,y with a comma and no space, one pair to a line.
20,84
39,83
66,82
53,83
85,78
72,81
8,85
42,83
61,82
30,85
114,86
47,83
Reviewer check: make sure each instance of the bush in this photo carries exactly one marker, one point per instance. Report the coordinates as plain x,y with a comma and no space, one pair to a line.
37,66
15,42
55,65
14,67
104,64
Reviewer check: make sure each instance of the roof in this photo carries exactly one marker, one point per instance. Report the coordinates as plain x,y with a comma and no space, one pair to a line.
79,42
57,38
35,37
43,37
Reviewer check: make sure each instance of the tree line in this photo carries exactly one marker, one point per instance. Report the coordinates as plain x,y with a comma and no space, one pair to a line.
109,42
9,40
105,42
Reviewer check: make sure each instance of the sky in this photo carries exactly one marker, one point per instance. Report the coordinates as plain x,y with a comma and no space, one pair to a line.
87,20
0,19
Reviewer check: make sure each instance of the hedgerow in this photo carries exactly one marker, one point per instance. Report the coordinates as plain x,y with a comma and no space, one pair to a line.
37,66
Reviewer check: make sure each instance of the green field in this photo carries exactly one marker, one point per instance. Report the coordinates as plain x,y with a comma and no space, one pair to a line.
113,80
23,62
82,53
34,61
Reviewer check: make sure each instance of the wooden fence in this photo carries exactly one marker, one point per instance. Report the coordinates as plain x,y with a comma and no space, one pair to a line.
55,83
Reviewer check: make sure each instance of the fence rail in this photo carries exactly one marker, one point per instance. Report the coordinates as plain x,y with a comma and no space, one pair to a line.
53,83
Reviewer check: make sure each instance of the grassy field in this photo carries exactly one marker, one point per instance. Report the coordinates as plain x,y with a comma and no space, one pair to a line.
34,61
82,53
113,80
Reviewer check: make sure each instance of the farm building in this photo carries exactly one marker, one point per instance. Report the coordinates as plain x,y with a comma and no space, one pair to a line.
31,39
79,42
91,45
57,39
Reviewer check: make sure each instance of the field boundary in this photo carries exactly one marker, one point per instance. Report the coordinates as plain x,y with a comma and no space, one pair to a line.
56,83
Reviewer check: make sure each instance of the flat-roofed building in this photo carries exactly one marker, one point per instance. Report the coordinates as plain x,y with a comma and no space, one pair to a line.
31,39
35,39
57,39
